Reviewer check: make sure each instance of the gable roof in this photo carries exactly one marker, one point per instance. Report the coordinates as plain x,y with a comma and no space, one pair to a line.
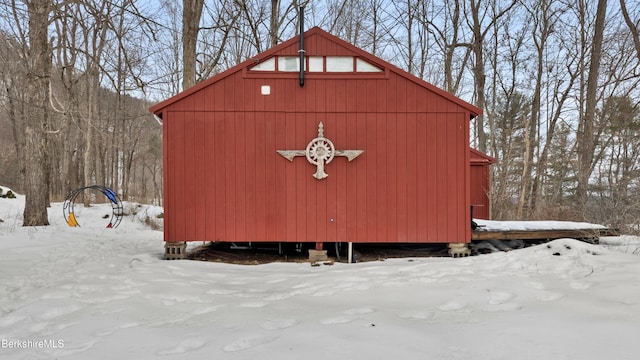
339,47
478,157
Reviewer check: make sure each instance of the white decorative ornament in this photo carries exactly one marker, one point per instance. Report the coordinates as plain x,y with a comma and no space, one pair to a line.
319,152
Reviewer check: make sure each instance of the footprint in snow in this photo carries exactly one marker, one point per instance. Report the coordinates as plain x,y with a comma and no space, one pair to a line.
38,327
278,324
349,316
117,328
254,305
207,310
499,297
276,281
9,320
59,311
417,315
501,301
351,286
325,292
184,346
276,297
236,283
549,296
75,348
301,285
248,342
359,311
55,295
221,292
581,285
503,307
306,291
535,285
337,320
101,300
452,306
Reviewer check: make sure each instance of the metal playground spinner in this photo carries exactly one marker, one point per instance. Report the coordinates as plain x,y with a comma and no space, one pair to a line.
116,205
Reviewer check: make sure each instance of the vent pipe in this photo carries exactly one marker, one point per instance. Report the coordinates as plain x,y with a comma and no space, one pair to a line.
301,51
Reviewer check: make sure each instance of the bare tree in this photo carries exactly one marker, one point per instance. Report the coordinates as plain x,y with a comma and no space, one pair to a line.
633,26
478,10
12,115
34,155
586,139
191,14
446,31
542,16
216,35
510,126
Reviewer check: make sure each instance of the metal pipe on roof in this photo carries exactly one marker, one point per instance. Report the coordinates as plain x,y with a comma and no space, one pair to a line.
301,51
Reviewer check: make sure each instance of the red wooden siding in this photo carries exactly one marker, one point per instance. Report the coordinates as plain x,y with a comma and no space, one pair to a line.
480,184
224,180
235,187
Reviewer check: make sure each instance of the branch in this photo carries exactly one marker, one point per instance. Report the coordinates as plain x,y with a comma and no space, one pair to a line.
51,98
632,27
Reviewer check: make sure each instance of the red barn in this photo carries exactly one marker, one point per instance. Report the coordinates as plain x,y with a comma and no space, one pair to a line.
362,152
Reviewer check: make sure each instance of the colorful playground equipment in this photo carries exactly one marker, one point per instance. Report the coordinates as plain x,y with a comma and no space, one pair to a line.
116,205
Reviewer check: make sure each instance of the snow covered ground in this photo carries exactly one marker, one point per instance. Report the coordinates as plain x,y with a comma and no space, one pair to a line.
97,293
492,225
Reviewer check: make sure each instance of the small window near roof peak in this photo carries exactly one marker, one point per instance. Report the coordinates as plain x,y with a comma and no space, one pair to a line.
288,63
339,63
363,66
316,64
267,65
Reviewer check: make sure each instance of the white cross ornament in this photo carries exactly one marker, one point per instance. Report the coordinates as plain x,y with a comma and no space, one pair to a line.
319,152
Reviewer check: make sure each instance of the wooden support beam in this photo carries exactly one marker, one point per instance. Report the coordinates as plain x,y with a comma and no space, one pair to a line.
541,234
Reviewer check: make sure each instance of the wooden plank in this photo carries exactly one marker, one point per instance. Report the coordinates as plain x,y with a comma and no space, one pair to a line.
337,191
362,207
392,182
179,181
425,146
411,187
199,178
230,184
217,162
270,197
383,211
168,172
280,170
541,234
372,176
209,164
252,175
351,176
400,186
240,188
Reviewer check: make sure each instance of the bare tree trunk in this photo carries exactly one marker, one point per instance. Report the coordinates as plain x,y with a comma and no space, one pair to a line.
525,184
540,34
191,14
273,24
89,154
586,139
543,161
477,19
449,49
410,16
632,27
478,72
38,77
